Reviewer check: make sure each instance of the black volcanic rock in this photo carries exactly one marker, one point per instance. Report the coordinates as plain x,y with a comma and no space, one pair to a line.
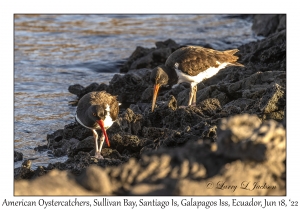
24,172
130,87
150,57
245,145
80,91
18,156
269,23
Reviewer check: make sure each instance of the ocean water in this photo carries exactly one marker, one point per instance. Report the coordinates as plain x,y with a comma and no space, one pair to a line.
52,52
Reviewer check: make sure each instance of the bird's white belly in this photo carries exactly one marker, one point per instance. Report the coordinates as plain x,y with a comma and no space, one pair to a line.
182,77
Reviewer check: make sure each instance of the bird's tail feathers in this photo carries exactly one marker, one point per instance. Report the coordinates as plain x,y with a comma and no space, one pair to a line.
233,57
231,52
236,64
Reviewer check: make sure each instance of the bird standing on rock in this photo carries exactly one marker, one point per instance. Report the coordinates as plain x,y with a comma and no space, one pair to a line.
191,64
97,110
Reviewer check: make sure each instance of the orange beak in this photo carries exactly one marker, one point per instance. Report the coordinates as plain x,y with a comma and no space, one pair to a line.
155,91
101,123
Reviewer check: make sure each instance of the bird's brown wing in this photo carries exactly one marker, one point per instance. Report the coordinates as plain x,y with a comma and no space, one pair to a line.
193,60
114,108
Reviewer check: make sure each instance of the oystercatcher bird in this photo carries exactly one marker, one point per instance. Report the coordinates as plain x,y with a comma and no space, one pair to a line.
191,64
97,110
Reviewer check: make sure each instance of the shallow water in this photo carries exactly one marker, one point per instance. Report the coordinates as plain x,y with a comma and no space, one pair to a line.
52,52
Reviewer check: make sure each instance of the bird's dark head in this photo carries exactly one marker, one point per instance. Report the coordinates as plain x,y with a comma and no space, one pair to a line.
98,114
158,77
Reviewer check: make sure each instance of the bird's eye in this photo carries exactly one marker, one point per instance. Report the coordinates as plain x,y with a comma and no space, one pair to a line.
94,114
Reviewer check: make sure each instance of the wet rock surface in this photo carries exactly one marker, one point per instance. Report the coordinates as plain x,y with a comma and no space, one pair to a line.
18,156
235,132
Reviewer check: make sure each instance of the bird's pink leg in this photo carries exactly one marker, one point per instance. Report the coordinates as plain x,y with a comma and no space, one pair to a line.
102,138
97,152
194,95
190,98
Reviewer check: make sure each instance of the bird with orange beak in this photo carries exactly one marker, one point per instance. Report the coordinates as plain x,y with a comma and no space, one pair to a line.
191,64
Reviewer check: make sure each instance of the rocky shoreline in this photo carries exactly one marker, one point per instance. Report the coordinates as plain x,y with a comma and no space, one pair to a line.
232,143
